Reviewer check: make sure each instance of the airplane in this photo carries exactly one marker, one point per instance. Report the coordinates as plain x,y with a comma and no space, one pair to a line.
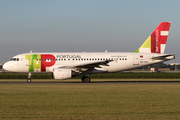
64,65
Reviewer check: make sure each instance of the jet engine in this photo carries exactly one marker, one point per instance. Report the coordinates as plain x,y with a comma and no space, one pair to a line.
62,73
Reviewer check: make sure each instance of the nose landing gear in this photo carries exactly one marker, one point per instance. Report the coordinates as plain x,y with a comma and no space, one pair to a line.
29,78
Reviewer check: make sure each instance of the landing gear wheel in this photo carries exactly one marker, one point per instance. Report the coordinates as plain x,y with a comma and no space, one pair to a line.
29,80
85,79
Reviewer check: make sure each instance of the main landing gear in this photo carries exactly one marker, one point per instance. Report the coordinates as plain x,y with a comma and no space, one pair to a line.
29,78
85,79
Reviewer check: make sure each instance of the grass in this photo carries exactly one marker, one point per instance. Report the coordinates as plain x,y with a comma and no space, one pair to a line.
90,101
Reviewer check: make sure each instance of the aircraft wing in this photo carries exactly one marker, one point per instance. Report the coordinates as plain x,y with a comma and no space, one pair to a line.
168,56
95,64
89,66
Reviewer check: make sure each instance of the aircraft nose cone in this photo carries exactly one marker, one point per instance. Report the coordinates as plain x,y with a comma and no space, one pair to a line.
6,67
9,66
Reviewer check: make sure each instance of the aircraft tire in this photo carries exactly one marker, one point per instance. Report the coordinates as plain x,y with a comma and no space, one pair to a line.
29,80
87,79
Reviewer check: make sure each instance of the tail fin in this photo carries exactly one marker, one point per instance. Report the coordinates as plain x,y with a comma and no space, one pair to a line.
156,42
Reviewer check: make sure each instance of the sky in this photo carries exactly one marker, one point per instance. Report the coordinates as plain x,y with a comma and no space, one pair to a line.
84,25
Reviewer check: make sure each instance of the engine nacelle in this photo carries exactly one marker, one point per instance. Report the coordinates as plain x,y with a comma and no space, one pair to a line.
61,74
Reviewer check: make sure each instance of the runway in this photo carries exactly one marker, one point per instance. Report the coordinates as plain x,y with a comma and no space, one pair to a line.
80,83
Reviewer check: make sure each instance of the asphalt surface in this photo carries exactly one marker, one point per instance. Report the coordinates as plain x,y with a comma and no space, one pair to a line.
102,82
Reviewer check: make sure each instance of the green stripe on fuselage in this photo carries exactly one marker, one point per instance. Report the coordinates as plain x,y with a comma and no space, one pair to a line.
34,62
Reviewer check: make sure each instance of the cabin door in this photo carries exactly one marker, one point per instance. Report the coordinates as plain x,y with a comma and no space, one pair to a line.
135,59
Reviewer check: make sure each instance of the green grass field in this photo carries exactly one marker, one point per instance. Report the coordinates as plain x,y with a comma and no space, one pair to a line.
90,101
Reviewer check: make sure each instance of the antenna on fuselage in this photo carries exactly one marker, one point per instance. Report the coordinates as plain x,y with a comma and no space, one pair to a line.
31,51
106,51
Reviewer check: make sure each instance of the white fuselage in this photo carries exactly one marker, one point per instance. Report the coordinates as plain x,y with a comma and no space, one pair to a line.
46,62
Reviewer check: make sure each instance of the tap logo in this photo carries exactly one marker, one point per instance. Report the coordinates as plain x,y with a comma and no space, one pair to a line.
39,62
157,41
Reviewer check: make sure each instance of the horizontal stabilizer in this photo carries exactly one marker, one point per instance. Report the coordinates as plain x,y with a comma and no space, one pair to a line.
170,56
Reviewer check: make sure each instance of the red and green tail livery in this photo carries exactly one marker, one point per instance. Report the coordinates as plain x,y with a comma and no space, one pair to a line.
156,42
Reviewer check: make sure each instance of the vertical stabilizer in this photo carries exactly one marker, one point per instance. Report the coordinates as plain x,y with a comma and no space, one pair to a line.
156,42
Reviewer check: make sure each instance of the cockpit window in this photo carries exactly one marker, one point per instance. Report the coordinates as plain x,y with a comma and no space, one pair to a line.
14,59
